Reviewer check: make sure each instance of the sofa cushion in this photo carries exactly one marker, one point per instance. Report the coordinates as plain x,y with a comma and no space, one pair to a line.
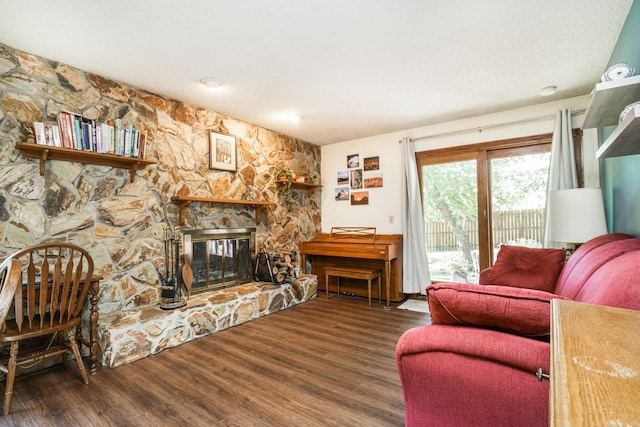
587,259
521,311
615,283
532,268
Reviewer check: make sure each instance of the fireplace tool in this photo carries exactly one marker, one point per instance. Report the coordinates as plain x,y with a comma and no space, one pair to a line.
172,283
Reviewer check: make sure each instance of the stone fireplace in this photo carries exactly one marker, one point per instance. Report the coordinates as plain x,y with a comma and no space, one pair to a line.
219,258
223,294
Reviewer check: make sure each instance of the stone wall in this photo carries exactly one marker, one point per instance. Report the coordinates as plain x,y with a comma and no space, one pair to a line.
121,222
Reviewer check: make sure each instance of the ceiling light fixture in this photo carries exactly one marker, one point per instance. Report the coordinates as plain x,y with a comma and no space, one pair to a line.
211,83
548,91
290,117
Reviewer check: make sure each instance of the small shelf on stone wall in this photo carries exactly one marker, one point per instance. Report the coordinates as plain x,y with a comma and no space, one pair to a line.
184,201
45,152
302,185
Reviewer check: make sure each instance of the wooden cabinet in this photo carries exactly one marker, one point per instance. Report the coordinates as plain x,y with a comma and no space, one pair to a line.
45,152
595,368
608,100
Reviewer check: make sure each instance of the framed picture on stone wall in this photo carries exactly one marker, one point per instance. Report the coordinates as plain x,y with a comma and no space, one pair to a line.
222,152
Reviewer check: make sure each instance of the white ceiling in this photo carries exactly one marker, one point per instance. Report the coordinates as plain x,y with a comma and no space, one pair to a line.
351,68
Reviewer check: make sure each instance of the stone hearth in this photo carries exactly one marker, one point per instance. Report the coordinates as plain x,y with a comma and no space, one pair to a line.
130,335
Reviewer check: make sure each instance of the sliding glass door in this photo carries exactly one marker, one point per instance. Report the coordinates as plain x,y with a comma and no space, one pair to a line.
450,206
476,198
518,196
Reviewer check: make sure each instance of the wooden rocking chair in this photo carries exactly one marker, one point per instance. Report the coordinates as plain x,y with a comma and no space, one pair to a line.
50,301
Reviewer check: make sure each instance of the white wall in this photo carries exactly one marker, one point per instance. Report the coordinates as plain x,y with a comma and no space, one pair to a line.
384,208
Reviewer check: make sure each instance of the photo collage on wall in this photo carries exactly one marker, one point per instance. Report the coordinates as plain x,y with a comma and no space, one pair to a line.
360,175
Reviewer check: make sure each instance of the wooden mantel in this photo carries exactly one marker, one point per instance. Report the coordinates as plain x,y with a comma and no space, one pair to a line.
184,201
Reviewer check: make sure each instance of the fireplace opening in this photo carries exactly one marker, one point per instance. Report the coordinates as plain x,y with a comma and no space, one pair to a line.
220,257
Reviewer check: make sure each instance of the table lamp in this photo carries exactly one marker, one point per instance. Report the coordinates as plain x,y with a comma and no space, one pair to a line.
576,215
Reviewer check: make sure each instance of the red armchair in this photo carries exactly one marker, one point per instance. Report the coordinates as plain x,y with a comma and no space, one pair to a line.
476,364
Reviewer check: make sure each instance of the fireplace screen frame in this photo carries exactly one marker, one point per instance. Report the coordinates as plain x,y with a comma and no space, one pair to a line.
218,241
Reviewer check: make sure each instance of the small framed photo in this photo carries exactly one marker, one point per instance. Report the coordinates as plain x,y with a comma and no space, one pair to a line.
353,161
343,177
356,178
373,180
372,163
222,152
341,193
359,198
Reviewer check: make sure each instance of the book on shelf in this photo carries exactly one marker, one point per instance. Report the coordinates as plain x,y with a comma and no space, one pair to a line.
63,131
77,132
55,135
97,132
65,123
38,131
86,141
74,131
105,135
47,134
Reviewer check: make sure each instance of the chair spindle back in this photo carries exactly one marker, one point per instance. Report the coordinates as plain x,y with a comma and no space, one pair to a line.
58,277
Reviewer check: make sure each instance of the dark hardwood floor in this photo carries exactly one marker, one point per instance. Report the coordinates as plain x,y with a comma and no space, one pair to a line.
325,362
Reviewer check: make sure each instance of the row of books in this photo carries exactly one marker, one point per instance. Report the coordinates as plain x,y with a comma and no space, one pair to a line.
80,133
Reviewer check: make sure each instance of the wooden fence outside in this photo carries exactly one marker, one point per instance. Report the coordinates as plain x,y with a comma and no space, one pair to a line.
508,226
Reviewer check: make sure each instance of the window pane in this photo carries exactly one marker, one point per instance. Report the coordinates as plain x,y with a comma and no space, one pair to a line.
518,197
450,210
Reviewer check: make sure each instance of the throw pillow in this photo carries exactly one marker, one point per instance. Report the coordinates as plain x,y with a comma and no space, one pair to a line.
521,311
532,268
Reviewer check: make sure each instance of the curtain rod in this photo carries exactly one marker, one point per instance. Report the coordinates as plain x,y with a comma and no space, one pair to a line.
499,125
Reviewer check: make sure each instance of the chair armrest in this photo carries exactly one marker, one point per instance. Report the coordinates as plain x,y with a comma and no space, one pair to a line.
511,350
457,375
517,310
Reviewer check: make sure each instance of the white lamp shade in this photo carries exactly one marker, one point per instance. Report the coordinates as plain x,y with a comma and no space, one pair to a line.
576,215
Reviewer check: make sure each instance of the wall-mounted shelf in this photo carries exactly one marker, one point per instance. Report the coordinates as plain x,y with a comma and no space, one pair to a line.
184,201
302,185
608,99
45,152
625,139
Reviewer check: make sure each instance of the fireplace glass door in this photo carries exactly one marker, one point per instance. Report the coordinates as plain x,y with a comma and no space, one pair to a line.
219,258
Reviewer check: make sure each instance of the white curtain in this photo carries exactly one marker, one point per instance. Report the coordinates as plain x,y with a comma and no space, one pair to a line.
563,173
415,270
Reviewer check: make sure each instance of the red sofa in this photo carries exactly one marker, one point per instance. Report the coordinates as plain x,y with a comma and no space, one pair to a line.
475,364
